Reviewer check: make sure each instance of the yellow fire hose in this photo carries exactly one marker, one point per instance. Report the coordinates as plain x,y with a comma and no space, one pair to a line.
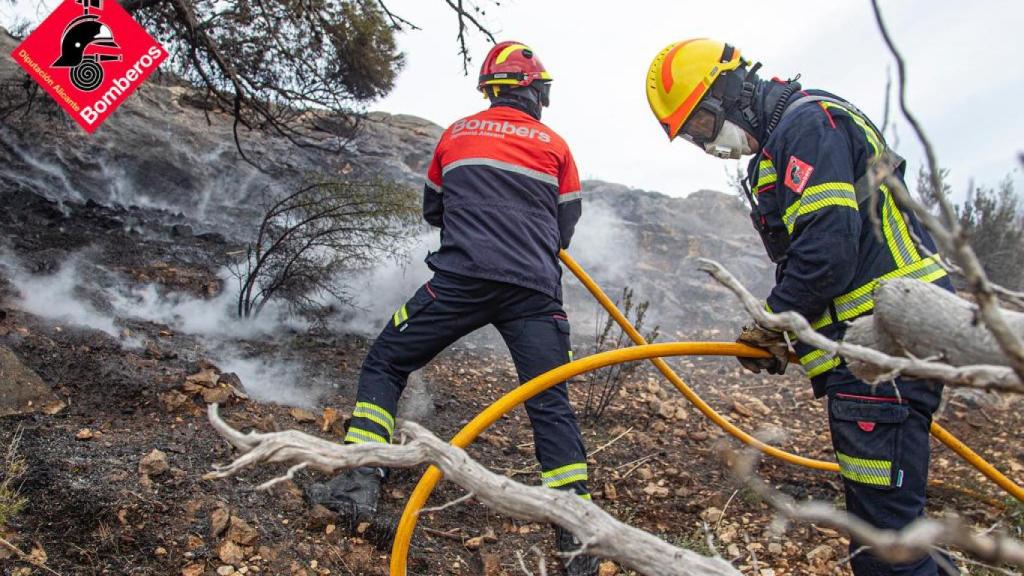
653,352
943,435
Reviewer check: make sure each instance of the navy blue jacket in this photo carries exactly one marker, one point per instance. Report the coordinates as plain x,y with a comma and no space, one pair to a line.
804,180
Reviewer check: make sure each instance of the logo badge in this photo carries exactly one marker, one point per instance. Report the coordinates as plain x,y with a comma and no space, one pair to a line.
798,173
89,55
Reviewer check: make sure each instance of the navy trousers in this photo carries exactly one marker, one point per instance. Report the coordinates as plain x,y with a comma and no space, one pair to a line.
881,440
536,331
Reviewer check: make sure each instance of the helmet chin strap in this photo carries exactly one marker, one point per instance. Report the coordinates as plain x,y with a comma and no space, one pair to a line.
740,96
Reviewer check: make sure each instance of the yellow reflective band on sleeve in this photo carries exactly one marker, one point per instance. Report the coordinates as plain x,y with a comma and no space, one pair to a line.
360,436
825,320
817,197
819,362
897,235
375,414
401,316
565,475
586,496
865,471
766,173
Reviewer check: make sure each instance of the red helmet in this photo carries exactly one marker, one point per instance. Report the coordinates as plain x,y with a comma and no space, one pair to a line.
511,64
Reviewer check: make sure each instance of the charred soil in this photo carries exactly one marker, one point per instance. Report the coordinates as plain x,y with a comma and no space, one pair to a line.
114,480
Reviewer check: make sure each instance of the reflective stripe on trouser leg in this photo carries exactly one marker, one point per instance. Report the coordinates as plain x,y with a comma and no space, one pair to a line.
866,471
565,477
370,423
538,336
901,499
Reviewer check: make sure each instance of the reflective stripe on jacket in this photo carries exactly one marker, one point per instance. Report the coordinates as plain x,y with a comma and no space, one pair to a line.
504,190
805,179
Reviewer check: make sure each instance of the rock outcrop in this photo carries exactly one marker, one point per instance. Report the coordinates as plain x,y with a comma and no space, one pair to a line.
22,391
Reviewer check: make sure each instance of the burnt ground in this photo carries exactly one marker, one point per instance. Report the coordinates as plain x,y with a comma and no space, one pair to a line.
95,507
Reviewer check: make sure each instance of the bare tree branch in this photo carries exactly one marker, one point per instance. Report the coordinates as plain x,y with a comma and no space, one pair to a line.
465,15
918,539
979,376
948,234
601,534
397,22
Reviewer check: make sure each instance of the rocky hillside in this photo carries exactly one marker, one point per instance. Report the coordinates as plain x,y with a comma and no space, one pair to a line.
160,152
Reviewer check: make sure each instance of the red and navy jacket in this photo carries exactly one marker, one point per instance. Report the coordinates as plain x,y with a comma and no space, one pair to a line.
808,180
504,190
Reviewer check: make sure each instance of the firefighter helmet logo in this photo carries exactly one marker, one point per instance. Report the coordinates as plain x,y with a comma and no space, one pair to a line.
798,173
90,55
87,34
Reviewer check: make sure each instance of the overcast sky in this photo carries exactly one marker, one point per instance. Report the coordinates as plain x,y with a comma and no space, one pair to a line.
965,76
964,59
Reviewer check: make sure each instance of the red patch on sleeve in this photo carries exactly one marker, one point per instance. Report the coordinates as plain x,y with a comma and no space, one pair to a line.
798,173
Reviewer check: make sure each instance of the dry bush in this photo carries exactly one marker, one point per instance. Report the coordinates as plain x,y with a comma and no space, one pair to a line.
308,238
12,469
603,385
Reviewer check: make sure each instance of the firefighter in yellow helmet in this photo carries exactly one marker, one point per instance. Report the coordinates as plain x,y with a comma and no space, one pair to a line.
809,196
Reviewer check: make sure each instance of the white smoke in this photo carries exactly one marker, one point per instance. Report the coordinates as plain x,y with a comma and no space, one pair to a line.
215,317
57,296
60,298
273,379
605,245
378,292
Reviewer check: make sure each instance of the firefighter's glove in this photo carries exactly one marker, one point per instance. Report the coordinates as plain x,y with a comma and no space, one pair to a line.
770,340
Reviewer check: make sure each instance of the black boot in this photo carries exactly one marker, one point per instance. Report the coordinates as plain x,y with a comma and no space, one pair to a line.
581,565
352,494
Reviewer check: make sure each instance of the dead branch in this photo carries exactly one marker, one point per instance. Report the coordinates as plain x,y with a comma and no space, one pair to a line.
922,320
465,14
601,534
28,558
918,539
948,233
975,376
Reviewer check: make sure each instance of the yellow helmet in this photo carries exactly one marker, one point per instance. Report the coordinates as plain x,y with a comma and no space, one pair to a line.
680,76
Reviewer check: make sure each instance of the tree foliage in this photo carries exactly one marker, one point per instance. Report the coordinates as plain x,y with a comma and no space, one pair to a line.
271,63
993,220
306,239
991,217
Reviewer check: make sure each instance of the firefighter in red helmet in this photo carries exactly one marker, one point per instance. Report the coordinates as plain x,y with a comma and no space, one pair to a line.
504,191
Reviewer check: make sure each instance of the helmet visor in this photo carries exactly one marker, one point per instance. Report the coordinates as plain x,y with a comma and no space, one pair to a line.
702,126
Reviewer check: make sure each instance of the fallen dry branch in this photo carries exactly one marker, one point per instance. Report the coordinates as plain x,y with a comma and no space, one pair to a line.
922,320
601,534
920,538
975,376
